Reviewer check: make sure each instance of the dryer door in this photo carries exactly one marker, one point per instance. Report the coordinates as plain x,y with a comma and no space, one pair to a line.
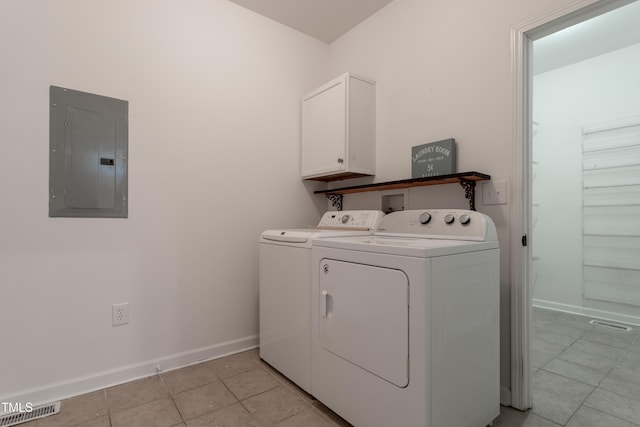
364,317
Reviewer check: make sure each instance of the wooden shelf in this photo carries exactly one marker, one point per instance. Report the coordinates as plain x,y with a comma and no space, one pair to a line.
466,179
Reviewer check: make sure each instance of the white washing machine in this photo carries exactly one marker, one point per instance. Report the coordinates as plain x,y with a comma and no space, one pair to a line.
285,289
405,323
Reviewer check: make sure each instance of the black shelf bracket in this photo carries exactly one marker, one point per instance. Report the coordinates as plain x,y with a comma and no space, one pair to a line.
335,199
469,192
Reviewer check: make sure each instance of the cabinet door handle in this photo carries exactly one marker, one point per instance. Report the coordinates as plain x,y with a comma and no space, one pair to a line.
340,160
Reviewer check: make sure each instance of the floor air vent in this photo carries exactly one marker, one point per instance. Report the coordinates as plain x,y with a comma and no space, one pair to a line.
25,415
608,325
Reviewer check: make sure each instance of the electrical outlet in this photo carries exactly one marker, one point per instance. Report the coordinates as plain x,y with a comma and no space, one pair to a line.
494,193
120,314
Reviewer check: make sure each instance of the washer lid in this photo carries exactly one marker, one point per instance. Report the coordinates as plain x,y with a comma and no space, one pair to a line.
291,236
305,235
333,223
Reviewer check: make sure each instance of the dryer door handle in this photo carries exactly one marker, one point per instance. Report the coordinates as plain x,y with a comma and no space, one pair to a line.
325,303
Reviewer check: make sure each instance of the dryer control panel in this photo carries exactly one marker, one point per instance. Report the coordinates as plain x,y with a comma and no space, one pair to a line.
366,220
454,224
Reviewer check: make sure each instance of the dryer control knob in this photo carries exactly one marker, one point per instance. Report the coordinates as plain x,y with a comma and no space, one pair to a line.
448,219
465,219
424,218
345,219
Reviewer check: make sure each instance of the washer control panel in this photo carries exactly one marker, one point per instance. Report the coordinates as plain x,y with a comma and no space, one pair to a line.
367,220
458,224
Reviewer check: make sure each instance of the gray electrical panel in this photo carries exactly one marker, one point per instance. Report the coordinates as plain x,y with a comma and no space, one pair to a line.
88,142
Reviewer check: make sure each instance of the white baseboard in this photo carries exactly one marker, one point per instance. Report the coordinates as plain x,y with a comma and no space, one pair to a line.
81,385
585,311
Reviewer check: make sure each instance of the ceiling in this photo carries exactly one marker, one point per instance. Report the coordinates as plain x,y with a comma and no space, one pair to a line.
325,20
605,33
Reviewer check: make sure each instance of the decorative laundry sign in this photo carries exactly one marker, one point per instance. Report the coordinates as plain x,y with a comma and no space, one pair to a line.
433,159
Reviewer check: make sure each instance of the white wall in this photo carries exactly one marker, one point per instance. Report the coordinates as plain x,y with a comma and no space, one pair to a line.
443,70
214,105
213,90
600,89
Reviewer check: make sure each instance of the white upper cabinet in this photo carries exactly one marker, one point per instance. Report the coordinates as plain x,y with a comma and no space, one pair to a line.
338,130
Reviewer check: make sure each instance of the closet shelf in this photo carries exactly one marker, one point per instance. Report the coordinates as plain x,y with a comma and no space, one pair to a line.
466,179
610,185
619,265
609,233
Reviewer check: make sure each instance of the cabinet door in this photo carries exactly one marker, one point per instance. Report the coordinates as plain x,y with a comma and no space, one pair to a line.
324,130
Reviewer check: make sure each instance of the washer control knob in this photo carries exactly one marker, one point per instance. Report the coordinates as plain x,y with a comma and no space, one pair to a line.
345,219
465,219
424,218
449,218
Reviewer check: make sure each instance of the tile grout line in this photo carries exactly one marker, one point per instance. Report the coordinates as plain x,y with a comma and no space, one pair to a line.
292,387
606,374
172,399
218,379
106,402
636,339
584,332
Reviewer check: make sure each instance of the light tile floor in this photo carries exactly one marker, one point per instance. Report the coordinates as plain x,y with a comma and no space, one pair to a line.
584,375
237,390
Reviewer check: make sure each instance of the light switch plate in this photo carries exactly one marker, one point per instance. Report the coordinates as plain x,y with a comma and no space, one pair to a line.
494,193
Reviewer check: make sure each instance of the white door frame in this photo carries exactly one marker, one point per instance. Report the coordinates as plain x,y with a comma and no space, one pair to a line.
522,38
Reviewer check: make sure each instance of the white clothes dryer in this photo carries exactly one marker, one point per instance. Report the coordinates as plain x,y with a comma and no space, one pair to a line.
405,323
285,289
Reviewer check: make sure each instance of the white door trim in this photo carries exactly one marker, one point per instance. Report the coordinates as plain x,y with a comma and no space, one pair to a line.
522,38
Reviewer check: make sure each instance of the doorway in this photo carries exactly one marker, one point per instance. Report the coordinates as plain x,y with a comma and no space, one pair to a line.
585,240
523,214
